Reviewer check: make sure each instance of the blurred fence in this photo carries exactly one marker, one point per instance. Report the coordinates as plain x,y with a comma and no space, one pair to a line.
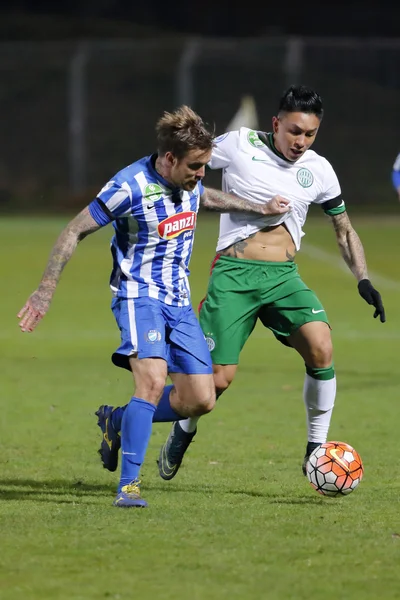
72,114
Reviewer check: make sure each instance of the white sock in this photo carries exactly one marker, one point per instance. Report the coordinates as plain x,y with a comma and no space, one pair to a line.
319,398
189,425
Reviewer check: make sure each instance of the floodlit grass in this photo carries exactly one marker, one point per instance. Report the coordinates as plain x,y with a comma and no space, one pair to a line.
240,520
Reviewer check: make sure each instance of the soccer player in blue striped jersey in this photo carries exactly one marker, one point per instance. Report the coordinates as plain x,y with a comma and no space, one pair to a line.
153,205
396,175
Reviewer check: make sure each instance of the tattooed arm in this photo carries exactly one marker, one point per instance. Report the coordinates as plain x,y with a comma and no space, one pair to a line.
350,246
353,253
222,202
38,303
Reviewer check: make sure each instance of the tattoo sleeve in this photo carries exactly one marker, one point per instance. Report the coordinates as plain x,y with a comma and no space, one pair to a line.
81,226
219,201
350,246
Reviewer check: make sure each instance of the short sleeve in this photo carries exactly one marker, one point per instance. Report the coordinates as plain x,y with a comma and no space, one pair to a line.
330,199
225,147
114,201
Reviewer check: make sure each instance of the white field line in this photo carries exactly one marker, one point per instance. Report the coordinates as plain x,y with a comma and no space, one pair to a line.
335,260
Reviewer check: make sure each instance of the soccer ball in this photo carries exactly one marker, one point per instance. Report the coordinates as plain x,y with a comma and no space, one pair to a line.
334,469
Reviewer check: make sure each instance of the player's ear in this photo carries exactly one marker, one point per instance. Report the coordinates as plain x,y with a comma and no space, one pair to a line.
275,124
170,158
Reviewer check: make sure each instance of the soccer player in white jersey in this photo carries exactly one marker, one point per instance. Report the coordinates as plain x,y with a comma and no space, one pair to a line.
153,205
396,175
254,275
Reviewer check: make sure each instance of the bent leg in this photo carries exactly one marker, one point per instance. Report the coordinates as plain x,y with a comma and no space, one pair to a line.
223,376
192,395
313,342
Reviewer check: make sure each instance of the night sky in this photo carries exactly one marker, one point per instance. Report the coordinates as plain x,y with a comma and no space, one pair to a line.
213,18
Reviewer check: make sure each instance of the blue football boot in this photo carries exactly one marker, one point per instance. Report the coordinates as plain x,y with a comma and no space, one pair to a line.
129,496
111,442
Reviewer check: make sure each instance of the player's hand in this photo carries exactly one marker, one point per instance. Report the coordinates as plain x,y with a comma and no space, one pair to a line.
276,206
372,296
34,310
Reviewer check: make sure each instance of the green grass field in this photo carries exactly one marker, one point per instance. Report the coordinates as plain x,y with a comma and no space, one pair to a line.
240,520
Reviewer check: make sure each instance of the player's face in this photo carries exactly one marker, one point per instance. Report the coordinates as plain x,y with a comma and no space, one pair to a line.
186,172
294,133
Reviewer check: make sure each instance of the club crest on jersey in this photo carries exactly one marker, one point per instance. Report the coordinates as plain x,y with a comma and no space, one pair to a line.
152,192
177,224
305,178
153,335
254,140
210,342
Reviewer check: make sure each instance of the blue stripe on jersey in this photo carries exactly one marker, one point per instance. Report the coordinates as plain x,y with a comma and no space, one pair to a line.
119,250
396,178
157,266
98,213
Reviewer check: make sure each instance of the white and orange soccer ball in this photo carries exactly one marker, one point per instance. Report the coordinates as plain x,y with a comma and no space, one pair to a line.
334,469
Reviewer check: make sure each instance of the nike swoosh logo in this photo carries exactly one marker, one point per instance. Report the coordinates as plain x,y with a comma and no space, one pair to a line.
166,467
315,312
259,159
341,462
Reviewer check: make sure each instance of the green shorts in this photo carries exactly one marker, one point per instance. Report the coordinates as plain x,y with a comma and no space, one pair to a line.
241,291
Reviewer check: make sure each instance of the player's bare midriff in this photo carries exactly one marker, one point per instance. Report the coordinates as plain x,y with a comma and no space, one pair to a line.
272,244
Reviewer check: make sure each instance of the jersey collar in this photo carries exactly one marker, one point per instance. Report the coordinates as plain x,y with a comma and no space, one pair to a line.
269,138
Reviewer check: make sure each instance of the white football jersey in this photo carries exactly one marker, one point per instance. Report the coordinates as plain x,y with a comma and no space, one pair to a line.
255,170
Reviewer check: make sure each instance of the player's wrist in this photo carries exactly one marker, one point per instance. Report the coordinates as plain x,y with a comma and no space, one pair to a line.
364,283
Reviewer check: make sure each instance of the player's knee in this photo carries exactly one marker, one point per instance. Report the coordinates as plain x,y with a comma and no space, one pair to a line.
321,353
223,378
204,405
150,388
205,400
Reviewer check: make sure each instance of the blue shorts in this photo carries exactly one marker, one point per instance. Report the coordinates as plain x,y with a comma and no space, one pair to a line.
151,329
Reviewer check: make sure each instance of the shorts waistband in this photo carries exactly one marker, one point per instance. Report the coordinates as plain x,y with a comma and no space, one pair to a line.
260,263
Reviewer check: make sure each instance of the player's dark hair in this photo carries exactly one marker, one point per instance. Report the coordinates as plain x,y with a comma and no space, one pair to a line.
181,131
300,98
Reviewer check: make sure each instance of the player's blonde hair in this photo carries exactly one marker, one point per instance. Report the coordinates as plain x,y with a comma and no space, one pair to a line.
181,131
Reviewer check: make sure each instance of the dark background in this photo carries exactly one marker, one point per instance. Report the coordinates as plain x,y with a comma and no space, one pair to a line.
206,18
82,84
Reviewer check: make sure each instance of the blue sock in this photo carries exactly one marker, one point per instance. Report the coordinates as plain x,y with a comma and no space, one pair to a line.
164,412
135,434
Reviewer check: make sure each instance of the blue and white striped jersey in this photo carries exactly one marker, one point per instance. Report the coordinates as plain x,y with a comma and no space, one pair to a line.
396,173
154,232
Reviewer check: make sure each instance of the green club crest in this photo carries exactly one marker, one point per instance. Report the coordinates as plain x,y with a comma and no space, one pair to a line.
305,178
210,342
254,140
152,192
